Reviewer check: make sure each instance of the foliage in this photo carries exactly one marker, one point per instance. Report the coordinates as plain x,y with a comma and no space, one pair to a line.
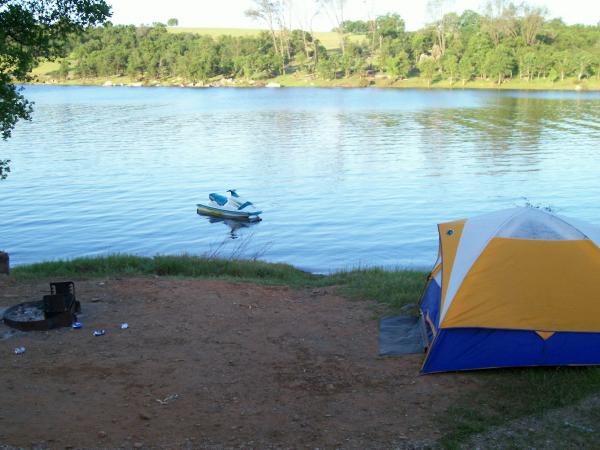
504,43
356,26
427,66
29,31
4,168
173,22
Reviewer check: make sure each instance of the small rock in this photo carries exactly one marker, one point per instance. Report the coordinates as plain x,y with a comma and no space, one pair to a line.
101,434
137,445
330,387
145,416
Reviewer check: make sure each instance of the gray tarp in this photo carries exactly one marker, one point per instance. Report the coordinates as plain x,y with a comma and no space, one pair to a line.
401,335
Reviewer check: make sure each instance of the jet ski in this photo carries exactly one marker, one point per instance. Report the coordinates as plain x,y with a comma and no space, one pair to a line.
231,206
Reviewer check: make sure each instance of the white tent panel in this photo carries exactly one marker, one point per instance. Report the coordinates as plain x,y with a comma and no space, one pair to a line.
531,223
590,231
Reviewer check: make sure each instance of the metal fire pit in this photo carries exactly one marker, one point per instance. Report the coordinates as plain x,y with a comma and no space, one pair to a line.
56,310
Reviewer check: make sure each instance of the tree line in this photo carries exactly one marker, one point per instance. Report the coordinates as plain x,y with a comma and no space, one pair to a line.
504,41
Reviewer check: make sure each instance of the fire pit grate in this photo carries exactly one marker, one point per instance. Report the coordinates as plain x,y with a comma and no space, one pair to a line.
56,310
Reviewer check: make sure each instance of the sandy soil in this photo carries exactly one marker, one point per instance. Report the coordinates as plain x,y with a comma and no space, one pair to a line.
212,364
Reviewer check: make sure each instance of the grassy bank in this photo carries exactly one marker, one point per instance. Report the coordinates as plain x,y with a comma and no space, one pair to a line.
393,289
514,408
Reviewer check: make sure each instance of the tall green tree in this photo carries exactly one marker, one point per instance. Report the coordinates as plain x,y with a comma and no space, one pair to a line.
466,69
29,31
499,63
398,65
427,66
450,66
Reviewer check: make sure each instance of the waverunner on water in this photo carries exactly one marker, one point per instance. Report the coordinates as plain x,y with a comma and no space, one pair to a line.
229,207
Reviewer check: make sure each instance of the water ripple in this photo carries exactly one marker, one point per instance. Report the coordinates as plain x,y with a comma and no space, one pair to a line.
345,177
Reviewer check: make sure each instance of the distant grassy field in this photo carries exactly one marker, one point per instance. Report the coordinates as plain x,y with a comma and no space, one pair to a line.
45,68
329,39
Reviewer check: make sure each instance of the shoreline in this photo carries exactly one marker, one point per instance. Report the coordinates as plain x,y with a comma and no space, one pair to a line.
392,288
290,81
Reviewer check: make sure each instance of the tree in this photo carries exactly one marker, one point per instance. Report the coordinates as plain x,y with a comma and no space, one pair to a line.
273,13
335,11
330,66
450,66
29,31
267,11
583,62
563,63
389,27
466,69
355,26
173,22
427,67
499,20
305,12
437,10
499,63
64,68
398,65
532,22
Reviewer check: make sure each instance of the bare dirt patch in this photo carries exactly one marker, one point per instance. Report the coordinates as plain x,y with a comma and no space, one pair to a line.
212,364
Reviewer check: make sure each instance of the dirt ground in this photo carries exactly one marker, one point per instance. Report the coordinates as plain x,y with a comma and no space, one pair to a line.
212,364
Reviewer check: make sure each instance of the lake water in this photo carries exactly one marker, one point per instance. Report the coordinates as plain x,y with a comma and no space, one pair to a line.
346,177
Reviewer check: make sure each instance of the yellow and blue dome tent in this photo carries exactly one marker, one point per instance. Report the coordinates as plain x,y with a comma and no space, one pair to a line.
518,287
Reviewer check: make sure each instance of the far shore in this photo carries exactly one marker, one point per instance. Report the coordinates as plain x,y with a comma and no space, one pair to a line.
304,81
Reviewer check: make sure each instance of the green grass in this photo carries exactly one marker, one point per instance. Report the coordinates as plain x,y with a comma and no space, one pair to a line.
508,394
46,68
329,39
394,289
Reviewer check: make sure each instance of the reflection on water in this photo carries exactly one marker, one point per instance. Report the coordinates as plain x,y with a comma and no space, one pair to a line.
233,225
345,177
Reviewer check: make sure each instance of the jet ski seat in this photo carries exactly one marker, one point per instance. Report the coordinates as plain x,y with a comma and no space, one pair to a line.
218,199
244,205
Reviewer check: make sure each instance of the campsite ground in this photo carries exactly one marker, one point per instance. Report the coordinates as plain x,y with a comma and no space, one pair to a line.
211,363
230,354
